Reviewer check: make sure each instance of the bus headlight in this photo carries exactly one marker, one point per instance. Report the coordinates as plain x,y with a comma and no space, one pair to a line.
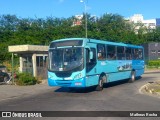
78,76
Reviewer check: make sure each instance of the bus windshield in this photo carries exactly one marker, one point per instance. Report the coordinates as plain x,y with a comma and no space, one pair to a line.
65,59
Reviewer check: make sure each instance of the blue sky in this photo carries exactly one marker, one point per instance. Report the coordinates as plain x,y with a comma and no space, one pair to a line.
150,9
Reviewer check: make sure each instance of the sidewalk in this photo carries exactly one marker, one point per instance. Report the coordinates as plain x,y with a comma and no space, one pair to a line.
152,70
15,91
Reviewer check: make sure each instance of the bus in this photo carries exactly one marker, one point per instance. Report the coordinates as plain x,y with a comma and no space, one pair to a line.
83,62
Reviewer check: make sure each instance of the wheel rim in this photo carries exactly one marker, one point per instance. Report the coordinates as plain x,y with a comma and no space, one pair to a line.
101,83
133,76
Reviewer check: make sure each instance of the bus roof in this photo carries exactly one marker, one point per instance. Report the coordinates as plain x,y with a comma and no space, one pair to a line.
114,43
87,40
67,39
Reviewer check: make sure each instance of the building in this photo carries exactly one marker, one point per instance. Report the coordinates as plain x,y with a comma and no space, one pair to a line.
77,20
158,22
139,21
152,51
136,18
32,59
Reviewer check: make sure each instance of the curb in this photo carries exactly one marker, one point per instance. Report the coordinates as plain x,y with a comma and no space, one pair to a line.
142,88
151,71
147,91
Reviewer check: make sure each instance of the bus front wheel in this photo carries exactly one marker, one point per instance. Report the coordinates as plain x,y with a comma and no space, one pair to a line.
133,77
99,87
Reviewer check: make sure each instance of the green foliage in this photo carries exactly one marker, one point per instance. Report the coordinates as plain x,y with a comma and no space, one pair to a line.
154,63
25,79
38,31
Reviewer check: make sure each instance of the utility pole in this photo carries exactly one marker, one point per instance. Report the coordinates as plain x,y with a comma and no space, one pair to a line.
85,9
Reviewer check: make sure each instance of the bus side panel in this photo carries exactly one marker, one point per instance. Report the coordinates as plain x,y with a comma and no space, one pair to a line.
92,80
139,72
138,66
106,66
118,76
118,70
114,70
94,72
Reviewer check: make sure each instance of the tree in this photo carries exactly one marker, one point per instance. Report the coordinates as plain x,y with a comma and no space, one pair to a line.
38,31
153,36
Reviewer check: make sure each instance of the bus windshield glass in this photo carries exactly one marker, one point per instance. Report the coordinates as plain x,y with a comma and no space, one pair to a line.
65,59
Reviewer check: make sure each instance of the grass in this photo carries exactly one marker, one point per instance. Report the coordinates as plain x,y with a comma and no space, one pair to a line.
157,90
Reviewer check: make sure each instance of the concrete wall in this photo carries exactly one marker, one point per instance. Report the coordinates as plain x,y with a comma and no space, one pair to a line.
152,51
28,55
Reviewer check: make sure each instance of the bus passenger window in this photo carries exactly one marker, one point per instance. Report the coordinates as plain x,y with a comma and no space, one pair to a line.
133,54
140,54
101,52
120,53
137,54
128,53
111,52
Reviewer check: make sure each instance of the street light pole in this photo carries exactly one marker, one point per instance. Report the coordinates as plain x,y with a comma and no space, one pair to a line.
85,8
13,68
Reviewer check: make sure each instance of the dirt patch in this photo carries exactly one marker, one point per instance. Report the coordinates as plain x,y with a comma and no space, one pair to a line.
152,88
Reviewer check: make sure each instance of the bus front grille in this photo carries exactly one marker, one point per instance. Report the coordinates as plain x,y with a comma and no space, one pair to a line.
63,84
63,74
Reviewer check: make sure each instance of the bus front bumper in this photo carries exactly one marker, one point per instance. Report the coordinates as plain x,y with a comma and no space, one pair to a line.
67,83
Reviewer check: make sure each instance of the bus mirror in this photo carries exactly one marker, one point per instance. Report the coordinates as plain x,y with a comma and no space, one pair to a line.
91,55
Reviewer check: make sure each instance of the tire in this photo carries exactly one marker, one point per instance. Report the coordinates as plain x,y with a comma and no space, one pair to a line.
99,87
133,77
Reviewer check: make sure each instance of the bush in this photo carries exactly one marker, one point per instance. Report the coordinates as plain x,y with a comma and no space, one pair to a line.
154,63
25,79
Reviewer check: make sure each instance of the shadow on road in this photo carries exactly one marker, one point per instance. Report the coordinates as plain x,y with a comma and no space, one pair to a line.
92,89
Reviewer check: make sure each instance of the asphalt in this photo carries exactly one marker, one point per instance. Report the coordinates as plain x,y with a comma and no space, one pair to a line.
15,91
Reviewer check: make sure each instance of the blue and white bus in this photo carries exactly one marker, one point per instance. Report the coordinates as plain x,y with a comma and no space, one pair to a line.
82,62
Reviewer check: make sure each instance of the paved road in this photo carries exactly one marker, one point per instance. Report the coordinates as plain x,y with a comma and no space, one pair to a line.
121,96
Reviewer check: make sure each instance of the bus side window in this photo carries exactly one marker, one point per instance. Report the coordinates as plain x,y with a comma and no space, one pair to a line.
101,52
135,53
128,53
111,52
140,54
120,53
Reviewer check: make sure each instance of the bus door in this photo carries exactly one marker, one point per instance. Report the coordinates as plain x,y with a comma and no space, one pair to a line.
101,58
91,66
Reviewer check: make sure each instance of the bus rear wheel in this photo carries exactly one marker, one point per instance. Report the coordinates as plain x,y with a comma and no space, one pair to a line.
133,77
99,87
